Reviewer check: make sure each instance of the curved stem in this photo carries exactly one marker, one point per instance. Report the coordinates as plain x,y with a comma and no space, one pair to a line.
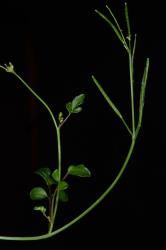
85,212
39,99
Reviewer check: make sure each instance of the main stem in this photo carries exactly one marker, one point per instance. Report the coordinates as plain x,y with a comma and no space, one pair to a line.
56,201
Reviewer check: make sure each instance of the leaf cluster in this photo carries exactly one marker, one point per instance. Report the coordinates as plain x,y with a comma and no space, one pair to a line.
53,182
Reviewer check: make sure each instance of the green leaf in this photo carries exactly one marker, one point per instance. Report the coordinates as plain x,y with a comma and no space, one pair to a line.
38,193
79,170
55,175
77,101
69,107
42,209
77,110
45,173
74,106
63,185
63,196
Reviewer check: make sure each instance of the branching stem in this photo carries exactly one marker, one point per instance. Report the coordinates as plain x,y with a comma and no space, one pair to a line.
126,42
54,206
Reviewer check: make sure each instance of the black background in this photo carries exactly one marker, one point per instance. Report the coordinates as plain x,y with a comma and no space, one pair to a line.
56,48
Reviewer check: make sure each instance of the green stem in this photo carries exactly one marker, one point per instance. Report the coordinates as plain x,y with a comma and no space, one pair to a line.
131,53
10,69
39,99
62,123
85,212
58,143
49,208
56,201
2,67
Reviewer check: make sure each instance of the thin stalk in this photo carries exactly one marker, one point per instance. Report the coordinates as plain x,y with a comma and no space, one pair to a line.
2,67
39,99
62,123
49,208
118,27
55,204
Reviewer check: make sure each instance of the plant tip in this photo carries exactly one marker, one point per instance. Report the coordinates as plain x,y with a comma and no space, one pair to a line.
9,67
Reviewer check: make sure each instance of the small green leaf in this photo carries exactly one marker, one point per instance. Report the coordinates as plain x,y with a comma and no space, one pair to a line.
77,110
63,185
45,174
63,196
55,175
69,107
79,170
38,193
74,106
77,101
42,209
